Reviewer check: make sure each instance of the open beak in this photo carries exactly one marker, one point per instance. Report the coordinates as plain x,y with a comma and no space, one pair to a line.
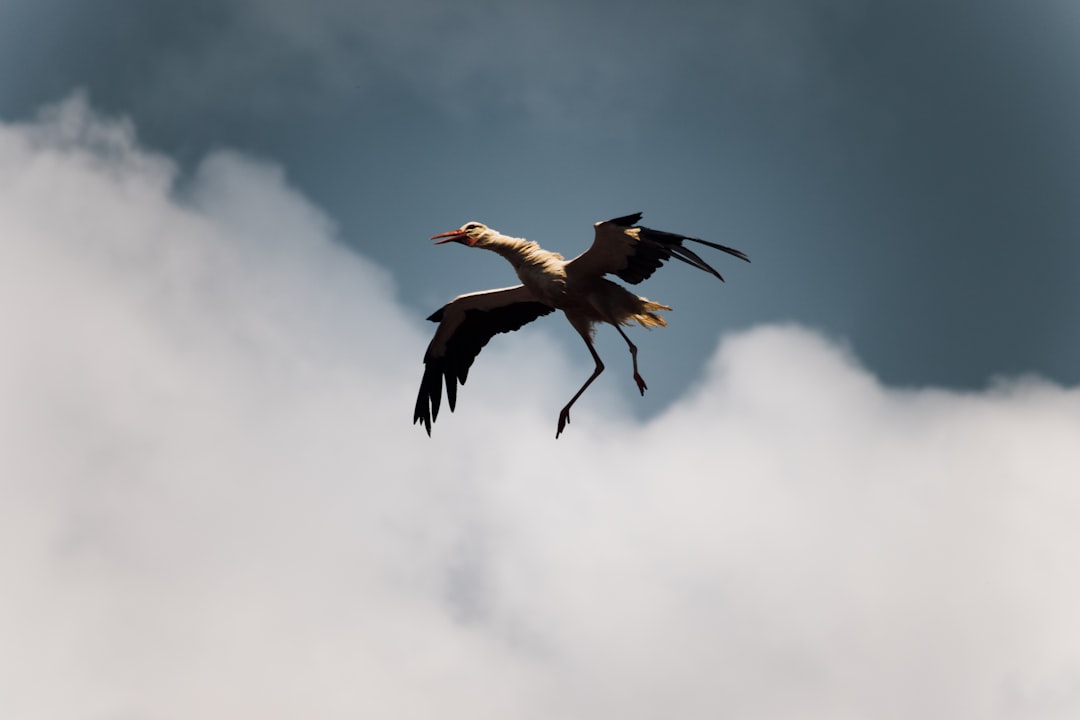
452,236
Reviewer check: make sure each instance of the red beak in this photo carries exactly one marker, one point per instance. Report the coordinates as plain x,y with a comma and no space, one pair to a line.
452,236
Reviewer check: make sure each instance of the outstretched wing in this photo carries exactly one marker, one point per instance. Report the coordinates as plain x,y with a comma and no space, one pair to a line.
632,252
466,324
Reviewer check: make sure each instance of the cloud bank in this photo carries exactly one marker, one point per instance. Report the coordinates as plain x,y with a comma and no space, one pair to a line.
214,504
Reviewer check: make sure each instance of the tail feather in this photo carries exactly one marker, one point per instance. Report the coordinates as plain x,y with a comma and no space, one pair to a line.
646,315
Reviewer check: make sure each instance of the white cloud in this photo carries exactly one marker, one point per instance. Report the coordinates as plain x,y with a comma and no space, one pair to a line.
214,504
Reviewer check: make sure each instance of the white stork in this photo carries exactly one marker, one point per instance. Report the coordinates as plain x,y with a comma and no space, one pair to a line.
548,283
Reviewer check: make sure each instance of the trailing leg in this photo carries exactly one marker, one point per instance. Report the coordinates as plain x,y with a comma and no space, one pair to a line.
642,387
564,416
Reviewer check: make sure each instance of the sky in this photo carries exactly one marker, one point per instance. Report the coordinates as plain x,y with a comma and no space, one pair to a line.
849,493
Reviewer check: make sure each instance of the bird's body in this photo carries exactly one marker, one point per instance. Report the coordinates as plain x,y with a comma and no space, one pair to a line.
575,290
548,283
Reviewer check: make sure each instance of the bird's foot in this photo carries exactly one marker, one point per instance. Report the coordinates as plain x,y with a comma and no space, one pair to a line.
564,420
641,386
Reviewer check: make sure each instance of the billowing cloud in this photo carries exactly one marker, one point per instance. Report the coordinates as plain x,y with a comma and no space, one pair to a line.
214,504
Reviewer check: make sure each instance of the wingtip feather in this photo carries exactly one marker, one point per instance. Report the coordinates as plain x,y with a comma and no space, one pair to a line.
625,220
724,248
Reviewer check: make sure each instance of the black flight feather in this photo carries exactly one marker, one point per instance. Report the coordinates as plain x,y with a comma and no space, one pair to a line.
474,332
655,247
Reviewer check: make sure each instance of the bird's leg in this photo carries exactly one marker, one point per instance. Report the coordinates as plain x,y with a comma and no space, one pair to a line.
641,386
564,416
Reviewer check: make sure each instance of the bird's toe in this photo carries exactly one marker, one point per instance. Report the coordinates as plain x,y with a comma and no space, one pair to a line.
564,420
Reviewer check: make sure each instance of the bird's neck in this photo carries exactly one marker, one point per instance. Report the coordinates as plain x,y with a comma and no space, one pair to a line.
517,251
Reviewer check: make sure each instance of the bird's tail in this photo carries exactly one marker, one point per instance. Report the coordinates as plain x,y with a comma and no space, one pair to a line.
646,315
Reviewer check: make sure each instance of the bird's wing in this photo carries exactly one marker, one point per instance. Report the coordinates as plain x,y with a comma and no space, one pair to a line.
466,324
634,253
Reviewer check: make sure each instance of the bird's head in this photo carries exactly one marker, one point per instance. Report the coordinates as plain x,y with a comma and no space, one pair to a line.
468,234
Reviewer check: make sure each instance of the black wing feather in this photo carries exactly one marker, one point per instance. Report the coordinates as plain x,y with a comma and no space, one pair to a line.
657,246
626,221
474,332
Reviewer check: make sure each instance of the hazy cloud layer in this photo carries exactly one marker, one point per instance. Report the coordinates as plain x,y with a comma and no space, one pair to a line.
561,63
214,505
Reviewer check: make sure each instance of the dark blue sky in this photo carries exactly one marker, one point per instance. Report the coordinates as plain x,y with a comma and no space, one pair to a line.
901,173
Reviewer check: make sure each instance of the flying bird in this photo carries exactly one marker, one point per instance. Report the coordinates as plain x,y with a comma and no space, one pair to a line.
578,287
